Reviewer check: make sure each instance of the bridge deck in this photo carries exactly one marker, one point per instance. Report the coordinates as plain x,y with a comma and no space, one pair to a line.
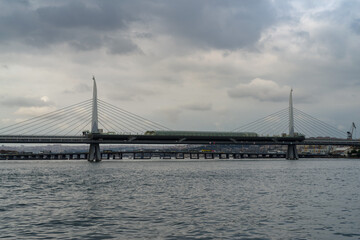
150,139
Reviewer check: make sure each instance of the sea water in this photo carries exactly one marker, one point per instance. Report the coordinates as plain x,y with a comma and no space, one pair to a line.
179,199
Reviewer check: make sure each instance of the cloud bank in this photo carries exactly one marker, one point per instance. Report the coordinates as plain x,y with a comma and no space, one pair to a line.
206,62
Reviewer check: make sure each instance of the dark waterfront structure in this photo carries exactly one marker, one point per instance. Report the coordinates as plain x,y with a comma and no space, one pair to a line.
120,155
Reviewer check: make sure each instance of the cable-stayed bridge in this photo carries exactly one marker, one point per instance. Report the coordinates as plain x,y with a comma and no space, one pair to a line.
96,122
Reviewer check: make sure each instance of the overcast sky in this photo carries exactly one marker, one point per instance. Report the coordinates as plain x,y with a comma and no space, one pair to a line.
189,65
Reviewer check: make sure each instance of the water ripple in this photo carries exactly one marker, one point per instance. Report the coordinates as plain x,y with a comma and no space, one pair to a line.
317,199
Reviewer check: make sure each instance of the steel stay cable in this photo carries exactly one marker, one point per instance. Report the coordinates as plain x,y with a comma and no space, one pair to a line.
88,123
64,126
40,125
105,124
258,125
262,123
115,128
328,126
332,128
284,129
268,129
304,129
266,122
278,127
37,126
29,121
132,115
271,124
258,120
300,130
119,128
44,115
307,127
102,120
40,122
321,130
128,118
320,126
135,123
261,128
78,126
120,124
82,113
105,127
135,116
308,132
318,130
78,120
65,117
298,126
102,124
62,121
275,129
110,125
121,118
319,133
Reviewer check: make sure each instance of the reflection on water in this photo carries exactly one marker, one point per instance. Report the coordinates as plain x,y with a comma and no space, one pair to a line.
305,199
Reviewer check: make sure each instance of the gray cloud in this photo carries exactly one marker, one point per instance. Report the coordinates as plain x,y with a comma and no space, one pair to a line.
24,102
198,106
103,15
131,94
341,12
86,42
355,25
190,50
171,114
260,89
122,46
83,25
80,88
86,25
216,24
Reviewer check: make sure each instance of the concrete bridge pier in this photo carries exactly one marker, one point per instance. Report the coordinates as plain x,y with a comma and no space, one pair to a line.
291,153
94,153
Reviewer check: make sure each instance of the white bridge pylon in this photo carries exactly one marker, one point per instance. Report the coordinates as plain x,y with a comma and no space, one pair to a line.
94,150
291,153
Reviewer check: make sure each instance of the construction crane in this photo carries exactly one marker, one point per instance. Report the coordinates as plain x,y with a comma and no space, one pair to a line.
351,131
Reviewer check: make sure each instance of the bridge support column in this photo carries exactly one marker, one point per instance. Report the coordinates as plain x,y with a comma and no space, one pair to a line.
291,153
94,153
94,150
